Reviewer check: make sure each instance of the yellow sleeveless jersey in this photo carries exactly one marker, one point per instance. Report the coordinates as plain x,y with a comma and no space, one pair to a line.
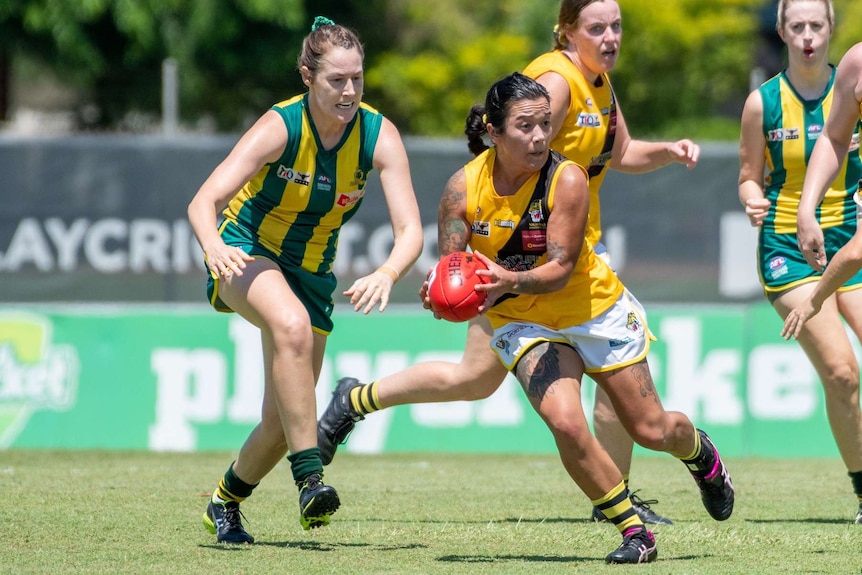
295,207
511,230
587,134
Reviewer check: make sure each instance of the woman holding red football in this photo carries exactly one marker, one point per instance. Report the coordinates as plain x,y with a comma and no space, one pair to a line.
557,309
575,72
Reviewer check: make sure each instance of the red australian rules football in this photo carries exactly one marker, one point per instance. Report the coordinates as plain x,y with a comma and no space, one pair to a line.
450,287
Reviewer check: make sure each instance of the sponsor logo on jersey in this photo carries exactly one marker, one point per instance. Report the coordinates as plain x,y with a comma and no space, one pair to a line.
782,134
854,143
586,120
301,178
814,131
324,183
505,224
533,240
482,229
618,343
777,262
349,199
777,267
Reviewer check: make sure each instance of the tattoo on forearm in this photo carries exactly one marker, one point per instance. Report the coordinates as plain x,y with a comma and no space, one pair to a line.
539,370
527,282
556,251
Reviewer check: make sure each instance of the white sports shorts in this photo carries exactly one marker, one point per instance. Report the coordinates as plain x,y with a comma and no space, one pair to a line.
615,339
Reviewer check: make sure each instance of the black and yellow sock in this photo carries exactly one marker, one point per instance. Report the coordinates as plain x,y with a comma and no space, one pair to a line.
700,461
617,507
856,480
304,463
626,481
363,398
232,488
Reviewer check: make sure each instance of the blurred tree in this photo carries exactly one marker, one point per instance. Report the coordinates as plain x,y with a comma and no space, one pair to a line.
848,15
443,56
232,54
687,60
687,63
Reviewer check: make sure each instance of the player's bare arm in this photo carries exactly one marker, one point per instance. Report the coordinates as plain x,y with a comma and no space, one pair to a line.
453,231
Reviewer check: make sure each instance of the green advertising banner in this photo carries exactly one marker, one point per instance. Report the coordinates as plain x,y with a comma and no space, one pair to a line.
190,379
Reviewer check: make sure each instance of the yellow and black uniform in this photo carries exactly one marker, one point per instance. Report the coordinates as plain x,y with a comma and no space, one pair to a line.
511,230
292,211
587,134
791,126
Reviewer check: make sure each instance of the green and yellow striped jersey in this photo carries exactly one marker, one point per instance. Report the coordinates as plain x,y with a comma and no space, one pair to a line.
297,205
791,126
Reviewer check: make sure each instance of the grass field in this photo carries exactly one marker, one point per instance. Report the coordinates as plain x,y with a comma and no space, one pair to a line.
119,512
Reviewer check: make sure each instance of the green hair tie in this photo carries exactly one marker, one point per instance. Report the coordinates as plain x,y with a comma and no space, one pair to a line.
321,21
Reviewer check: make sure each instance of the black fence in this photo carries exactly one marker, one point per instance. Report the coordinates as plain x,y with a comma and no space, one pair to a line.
103,219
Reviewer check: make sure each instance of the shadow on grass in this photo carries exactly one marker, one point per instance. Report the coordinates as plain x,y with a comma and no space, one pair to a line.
463,521
550,558
528,558
820,520
541,520
326,546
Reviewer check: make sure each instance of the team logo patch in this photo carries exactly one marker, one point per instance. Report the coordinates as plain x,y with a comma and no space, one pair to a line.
536,211
854,143
359,178
503,345
633,323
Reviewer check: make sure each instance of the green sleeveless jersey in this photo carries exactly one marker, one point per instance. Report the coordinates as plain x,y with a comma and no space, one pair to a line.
295,207
791,126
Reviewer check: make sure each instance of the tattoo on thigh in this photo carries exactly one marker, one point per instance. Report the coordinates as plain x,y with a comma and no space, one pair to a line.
641,373
539,370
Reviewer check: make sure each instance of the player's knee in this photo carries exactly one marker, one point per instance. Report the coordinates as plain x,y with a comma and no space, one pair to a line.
652,436
292,331
604,414
566,427
842,381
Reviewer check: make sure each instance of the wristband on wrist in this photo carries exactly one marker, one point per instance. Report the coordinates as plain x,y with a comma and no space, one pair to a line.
390,271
